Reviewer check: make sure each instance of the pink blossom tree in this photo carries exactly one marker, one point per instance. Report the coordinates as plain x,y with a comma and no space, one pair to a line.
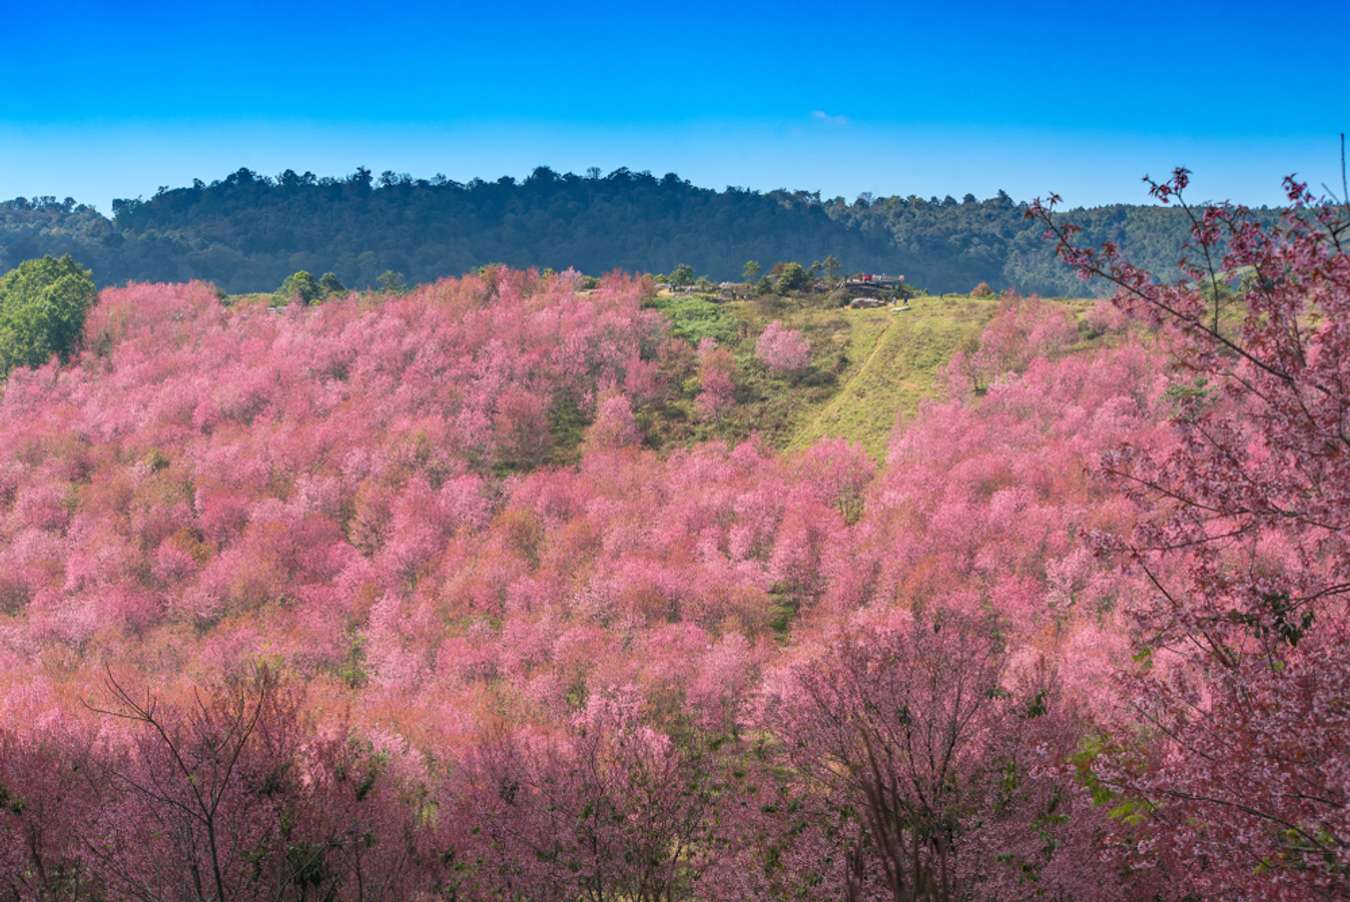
1243,540
1022,330
614,425
716,374
911,727
609,809
233,796
783,350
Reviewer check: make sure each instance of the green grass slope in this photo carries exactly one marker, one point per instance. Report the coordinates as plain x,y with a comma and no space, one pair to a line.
898,372
772,406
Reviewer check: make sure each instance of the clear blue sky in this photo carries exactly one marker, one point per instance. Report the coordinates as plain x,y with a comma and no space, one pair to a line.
112,99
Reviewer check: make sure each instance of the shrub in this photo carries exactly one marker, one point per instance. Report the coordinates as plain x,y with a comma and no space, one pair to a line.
695,318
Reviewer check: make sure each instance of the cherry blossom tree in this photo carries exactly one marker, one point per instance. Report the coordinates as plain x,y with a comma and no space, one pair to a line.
614,425
783,350
1244,544
232,796
1022,330
717,384
909,733
609,809
48,796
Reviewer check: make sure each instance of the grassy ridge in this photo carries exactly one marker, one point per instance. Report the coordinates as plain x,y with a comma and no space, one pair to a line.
898,372
778,407
868,367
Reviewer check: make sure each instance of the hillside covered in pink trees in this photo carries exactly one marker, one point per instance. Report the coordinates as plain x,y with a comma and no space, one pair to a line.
409,597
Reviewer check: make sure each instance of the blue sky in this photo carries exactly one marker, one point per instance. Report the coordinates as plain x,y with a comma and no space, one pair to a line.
103,100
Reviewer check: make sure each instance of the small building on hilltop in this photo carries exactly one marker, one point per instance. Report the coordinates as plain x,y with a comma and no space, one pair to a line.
874,289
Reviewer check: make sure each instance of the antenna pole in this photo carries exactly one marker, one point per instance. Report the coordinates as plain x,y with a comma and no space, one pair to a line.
1345,193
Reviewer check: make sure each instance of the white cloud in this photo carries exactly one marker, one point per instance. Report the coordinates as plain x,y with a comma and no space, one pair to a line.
827,119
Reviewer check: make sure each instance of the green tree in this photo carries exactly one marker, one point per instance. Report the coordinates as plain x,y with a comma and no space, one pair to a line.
682,276
793,278
330,284
392,282
832,269
43,304
750,272
300,286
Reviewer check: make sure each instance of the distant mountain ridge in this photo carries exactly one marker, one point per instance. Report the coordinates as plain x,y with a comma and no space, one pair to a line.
247,232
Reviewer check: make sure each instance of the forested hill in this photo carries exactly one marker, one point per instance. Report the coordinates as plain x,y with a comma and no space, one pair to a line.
247,232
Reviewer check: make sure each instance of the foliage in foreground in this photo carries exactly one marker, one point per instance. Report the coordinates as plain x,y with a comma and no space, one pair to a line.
1243,723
